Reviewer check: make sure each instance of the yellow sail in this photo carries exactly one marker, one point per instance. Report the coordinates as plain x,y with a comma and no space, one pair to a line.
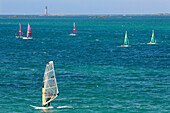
50,88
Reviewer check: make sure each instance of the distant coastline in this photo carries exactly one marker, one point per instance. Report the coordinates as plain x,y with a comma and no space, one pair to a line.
53,15
100,17
90,16
19,17
105,16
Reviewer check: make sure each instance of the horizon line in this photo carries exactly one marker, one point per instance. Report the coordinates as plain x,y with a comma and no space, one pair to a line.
88,14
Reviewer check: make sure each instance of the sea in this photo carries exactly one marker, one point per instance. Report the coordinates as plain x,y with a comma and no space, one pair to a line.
93,72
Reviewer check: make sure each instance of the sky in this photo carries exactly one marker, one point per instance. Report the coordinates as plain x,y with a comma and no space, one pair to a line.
34,7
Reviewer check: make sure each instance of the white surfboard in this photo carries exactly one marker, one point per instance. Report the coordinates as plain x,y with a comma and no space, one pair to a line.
124,45
28,38
35,107
72,34
151,43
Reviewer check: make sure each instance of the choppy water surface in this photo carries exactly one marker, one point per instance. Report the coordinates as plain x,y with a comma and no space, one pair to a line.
94,73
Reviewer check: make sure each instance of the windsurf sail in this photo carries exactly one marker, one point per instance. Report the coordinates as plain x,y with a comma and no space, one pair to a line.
29,31
20,30
74,29
153,39
50,88
126,40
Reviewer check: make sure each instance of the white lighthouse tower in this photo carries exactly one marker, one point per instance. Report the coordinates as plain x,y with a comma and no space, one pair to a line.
45,10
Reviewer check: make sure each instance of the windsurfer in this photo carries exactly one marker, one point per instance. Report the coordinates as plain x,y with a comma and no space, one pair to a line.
48,98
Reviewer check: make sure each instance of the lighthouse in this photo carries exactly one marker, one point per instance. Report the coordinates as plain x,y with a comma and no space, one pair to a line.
45,10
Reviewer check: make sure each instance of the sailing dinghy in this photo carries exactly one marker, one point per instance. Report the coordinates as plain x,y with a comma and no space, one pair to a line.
28,33
74,31
50,88
153,39
20,34
126,41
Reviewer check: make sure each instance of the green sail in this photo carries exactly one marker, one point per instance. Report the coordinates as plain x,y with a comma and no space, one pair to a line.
153,40
126,40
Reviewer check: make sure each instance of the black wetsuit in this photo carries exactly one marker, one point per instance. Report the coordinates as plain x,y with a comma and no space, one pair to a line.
48,103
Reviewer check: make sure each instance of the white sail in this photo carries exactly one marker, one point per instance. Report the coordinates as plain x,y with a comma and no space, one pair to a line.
50,88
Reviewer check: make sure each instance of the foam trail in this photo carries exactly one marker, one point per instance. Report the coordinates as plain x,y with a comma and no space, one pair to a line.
60,107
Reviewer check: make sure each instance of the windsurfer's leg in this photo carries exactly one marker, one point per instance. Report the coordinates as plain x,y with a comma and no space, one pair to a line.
44,105
48,100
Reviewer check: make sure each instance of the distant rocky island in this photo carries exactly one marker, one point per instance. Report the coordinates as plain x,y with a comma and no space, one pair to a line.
100,17
162,14
19,17
53,15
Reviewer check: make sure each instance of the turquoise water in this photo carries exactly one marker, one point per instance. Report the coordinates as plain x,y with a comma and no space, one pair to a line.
94,73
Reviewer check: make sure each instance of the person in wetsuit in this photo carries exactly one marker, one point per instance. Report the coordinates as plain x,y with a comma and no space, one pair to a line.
48,95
